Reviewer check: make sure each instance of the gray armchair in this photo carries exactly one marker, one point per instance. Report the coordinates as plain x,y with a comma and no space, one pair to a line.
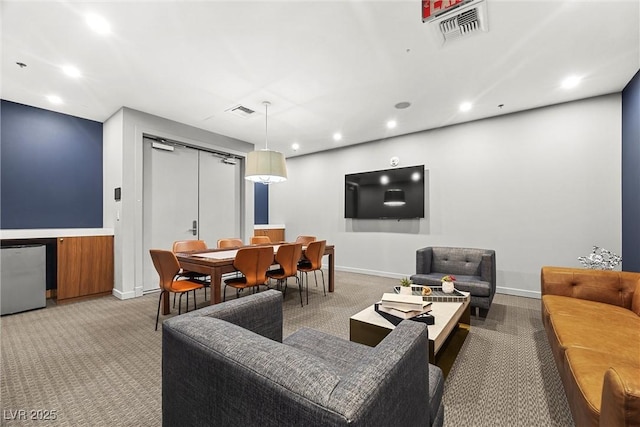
227,365
475,271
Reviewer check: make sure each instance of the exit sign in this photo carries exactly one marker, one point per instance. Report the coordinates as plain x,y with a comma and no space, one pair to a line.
432,8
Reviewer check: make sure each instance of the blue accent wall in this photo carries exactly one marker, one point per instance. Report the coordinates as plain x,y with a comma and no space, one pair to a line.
631,175
50,169
261,203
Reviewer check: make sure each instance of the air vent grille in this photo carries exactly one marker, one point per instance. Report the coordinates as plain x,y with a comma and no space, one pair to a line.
240,111
462,22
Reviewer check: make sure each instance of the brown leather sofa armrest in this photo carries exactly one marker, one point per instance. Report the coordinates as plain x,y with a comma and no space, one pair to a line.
620,398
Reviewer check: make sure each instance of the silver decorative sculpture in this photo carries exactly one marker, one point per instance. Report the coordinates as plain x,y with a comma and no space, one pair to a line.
600,259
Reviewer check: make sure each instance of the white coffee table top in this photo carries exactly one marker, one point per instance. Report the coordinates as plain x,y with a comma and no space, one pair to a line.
446,316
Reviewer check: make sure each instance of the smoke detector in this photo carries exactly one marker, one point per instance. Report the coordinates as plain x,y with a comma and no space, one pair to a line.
461,22
240,111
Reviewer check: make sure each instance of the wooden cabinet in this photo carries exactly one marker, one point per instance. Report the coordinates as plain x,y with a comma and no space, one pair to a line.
85,266
275,234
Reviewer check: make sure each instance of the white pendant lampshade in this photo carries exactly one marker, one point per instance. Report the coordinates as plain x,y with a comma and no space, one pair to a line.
266,166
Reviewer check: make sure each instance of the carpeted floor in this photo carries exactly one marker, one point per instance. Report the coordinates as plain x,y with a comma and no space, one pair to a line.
97,362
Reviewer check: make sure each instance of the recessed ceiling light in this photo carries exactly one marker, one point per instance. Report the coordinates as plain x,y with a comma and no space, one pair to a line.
54,99
571,82
337,136
98,24
465,106
402,105
295,146
71,71
391,124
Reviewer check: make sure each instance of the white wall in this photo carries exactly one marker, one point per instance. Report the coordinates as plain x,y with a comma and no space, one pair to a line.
540,187
123,166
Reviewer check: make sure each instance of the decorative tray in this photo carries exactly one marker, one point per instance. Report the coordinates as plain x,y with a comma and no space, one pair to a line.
437,294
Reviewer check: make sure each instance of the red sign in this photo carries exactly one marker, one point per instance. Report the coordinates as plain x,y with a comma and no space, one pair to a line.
431,8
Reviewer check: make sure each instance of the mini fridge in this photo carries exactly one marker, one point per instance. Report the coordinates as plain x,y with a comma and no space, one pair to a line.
23,278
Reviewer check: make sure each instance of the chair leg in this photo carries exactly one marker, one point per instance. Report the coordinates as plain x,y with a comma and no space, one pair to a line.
306,276
315,277
180,303
158,313
195,305
323,287
174,300
300,285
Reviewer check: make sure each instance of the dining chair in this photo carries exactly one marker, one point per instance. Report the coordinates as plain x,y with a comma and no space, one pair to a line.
230,243
167,266
287,257
260,240
305,240
253,262
190,246
313,262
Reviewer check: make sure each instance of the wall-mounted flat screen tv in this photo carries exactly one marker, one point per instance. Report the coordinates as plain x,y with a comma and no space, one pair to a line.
391,193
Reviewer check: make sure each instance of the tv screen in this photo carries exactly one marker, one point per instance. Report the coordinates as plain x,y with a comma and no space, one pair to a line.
391,193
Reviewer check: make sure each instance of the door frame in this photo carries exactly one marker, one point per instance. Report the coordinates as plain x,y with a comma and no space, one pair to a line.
246,196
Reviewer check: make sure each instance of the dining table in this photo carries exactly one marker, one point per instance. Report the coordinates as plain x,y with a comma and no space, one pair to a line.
216,262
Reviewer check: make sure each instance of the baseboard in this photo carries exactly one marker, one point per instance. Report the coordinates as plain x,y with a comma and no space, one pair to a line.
518,292
124,295
500,289
372,272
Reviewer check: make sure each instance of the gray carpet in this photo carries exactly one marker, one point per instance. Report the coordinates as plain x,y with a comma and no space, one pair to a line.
97,362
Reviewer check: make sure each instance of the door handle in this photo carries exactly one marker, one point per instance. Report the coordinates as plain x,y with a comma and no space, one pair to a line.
194,228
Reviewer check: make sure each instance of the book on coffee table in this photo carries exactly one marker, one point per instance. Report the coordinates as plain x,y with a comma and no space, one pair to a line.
404,314
404,302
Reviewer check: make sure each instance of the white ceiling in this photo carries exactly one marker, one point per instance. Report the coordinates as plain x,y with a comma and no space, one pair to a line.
325,66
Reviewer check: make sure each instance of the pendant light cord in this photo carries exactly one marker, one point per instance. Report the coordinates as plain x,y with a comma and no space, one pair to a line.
266,128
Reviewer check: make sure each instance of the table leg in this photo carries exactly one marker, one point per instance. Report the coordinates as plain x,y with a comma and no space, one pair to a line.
216,279
331,271
165,303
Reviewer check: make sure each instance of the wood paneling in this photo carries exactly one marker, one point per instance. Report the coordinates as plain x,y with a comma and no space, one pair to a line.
85,266
275,234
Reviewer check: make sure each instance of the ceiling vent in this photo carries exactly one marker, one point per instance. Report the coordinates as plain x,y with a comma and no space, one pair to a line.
240,111
461,22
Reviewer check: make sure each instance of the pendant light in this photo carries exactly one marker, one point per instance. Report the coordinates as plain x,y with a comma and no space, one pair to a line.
266,166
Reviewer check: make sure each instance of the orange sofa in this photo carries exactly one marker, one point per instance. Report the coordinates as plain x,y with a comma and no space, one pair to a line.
592,320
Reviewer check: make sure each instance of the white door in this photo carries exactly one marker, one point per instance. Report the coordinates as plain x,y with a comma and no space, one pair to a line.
170,203
188,194
220,196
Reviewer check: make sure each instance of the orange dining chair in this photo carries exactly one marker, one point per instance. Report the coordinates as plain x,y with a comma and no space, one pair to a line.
287,257
167,266
313,262
230,243
260,240
190,246
305,240
253,262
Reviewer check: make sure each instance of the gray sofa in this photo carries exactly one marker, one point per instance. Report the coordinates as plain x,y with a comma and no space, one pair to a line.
227,365
475,271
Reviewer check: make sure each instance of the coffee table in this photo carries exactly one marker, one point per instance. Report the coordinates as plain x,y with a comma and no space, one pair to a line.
446,336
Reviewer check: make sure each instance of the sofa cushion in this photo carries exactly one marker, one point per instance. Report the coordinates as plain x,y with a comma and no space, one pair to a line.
616,335
253,355
341,354
585,309
586,369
